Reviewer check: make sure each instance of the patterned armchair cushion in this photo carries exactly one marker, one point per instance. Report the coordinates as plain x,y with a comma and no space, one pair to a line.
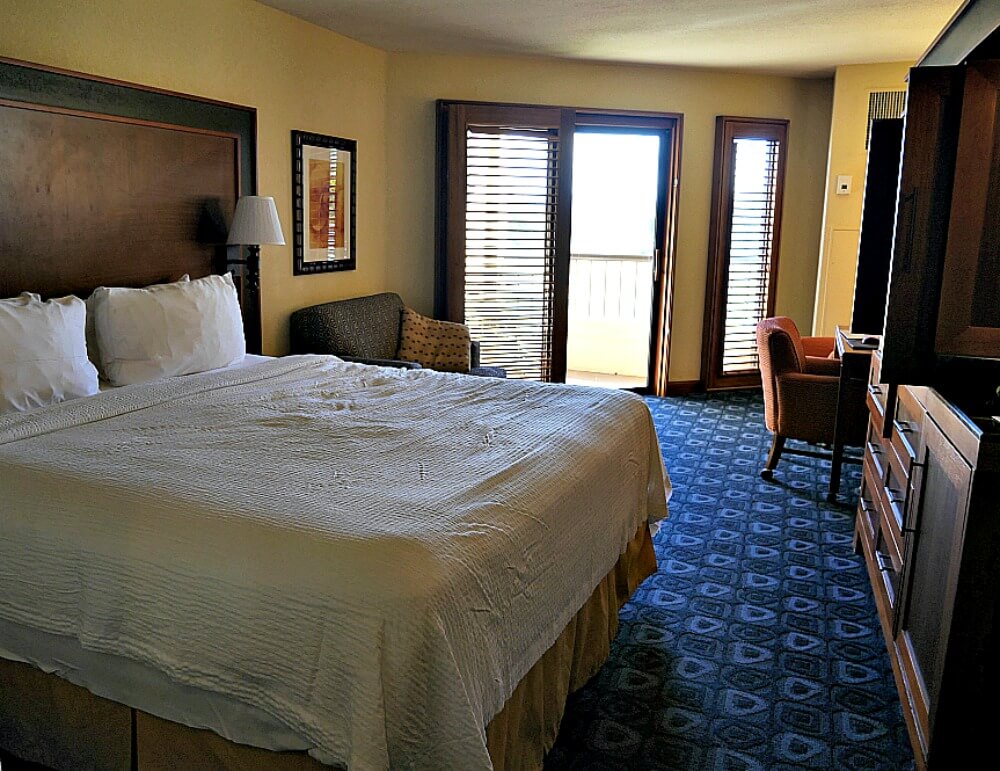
441,345
363,327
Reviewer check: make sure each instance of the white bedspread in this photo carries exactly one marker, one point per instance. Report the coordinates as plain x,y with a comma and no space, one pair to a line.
373,557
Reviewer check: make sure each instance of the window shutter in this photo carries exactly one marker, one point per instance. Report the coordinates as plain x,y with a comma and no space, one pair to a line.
751,248
749,174
501,231
510,225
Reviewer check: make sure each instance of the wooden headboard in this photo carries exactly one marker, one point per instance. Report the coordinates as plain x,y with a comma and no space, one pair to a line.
108,183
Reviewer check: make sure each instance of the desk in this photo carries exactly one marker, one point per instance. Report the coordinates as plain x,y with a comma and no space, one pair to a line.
855,366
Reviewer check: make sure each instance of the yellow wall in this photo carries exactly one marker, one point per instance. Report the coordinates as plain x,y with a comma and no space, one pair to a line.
300,76
297,75
415,81
842,214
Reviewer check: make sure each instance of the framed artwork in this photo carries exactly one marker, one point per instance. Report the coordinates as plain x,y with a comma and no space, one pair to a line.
324,178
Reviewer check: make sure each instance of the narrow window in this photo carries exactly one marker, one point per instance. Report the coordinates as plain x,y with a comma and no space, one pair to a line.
743,248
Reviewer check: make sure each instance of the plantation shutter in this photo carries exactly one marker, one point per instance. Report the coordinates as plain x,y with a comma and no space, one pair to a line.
750,160
502,234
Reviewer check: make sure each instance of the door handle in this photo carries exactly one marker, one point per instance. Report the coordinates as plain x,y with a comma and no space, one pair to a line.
656,263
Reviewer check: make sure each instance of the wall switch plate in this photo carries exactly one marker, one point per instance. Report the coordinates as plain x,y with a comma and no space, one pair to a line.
844,184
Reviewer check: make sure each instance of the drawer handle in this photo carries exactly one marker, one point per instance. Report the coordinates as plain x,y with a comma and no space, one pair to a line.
876,390
884,563
902,428
894,496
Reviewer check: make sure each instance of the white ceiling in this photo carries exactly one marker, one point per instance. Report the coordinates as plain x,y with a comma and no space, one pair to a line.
801,37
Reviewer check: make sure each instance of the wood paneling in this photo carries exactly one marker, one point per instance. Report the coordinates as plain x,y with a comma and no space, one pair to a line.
933,111
111,183
92,200
969,317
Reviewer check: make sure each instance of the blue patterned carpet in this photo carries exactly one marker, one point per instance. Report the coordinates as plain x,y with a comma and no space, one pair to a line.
756,645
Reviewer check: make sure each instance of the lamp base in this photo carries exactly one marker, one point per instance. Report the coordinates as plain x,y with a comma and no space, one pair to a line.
253,266
249,291
251,273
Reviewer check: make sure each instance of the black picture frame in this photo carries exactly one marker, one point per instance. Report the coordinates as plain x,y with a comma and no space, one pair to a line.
301,265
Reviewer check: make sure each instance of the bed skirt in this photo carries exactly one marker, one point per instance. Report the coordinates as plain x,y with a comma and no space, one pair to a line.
48,720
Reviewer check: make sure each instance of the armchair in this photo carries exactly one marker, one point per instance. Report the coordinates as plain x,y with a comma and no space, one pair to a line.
803,396
365,330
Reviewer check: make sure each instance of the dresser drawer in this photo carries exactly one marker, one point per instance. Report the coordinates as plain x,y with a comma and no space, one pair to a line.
876,399
891,524
896,497
905,429
881,556
881,397
876,452
890,570
869,512
875,375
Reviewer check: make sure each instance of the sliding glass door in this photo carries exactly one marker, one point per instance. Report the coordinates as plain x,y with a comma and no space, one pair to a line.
619,190
507,202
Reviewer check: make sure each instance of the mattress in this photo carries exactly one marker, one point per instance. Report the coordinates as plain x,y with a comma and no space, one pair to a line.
368,559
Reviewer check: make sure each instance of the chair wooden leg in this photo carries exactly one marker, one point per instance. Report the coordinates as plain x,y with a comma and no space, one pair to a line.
837,462
777,445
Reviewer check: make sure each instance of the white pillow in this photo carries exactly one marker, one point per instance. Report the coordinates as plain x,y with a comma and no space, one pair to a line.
43,352
168,329
92,350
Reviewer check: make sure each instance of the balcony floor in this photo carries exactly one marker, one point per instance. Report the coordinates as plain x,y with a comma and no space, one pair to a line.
604,379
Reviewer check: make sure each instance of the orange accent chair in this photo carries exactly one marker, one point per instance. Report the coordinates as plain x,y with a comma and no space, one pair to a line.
801,380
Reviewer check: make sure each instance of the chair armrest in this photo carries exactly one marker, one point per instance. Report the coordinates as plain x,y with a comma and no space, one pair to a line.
807,406
498,372
383,362
474,353
822,366
818,346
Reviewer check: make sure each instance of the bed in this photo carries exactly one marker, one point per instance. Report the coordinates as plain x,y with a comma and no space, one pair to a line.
301,562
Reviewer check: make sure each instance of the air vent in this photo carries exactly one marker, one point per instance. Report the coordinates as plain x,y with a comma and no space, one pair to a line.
884,104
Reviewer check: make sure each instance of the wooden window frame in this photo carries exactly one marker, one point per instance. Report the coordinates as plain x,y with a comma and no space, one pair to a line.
728,129
448,283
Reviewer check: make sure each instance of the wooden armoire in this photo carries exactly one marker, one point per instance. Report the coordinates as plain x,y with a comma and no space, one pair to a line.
928,519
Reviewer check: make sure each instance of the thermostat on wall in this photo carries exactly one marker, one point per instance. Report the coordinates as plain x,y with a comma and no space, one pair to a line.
844,184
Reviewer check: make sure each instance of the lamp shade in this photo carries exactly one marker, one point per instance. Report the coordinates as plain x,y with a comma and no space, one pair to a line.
256,222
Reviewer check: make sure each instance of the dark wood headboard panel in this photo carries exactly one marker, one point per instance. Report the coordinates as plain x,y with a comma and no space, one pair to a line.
89,200
104,183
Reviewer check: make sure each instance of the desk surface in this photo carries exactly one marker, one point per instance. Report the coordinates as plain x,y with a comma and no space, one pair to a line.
850,344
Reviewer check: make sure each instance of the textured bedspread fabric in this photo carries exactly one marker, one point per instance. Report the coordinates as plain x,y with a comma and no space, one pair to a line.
375,557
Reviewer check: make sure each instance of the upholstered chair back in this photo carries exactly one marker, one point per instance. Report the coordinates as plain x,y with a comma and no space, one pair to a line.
779,348
362,327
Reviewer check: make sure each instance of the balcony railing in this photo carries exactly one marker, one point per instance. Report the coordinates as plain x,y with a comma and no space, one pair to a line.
610,308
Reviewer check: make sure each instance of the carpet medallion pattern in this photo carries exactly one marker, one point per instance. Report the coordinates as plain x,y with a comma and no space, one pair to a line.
756,644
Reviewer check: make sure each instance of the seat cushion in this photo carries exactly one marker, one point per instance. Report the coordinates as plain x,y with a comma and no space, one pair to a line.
441,345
